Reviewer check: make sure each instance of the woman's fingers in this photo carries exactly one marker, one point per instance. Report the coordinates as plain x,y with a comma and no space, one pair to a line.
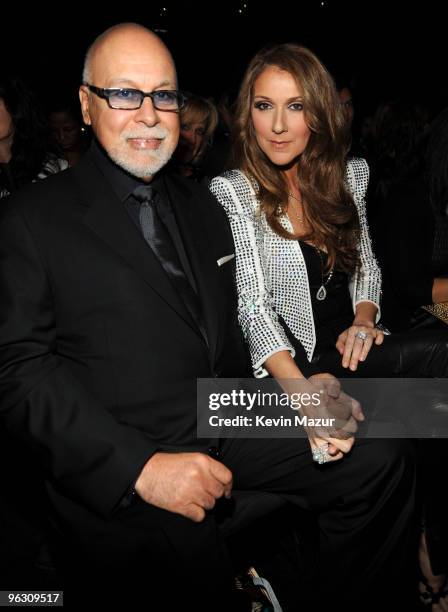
367,345
379,337
355,349
348,348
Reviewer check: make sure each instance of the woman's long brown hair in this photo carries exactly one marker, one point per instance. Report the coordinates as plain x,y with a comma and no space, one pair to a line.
328,205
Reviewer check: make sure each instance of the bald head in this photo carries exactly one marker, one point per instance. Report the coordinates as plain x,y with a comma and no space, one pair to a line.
131,41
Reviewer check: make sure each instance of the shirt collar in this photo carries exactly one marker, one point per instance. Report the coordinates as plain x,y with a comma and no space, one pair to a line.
121,181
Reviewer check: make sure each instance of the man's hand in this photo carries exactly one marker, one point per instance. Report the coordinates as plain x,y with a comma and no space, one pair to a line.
338,405
184,483
334,404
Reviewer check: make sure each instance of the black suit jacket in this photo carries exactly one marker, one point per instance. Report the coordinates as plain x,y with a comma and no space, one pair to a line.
99,358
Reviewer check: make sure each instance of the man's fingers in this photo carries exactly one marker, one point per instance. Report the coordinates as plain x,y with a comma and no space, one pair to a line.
194,512
215,488
206,501
343,446
220,472
223,475
357,412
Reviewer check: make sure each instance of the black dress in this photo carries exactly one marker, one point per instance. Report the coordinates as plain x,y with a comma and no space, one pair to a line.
334,314
420,353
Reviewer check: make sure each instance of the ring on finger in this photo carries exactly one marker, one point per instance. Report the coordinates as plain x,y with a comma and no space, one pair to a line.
321,454
362,335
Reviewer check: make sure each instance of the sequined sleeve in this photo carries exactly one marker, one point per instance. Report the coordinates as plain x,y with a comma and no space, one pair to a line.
366,282
256,313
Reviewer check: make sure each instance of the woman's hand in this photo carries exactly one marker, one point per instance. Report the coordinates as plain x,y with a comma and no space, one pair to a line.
336,448
354,348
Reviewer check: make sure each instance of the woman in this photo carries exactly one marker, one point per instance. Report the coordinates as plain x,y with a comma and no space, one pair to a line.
69,136
406,200
198,121
308,282
24,156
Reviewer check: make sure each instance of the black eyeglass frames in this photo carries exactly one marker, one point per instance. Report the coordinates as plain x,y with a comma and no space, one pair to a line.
132,99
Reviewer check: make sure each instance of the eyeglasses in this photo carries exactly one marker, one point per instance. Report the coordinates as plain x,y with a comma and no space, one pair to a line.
132,99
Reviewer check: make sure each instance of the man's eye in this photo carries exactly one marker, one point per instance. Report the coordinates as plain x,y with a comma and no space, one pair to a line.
126,94
164,96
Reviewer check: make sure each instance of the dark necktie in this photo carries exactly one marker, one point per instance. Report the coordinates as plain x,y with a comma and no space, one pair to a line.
159,239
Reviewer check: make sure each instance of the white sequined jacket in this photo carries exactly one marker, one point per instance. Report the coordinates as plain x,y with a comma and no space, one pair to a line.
271,274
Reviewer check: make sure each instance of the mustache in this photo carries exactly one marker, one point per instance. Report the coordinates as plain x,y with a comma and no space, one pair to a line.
158,133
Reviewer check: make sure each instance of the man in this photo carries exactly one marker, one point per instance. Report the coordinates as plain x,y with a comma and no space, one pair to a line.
113,304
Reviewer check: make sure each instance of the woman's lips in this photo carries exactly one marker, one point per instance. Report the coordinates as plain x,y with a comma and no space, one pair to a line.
279,144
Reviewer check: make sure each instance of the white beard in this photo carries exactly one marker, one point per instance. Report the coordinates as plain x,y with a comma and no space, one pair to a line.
151,160
147,167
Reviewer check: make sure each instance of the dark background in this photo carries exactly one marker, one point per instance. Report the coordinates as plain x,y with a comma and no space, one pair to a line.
392,49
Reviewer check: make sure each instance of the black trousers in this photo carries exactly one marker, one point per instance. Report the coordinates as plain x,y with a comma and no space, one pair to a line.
421,353
362,505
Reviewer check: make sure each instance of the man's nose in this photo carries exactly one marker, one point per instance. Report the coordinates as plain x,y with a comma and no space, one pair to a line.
147,113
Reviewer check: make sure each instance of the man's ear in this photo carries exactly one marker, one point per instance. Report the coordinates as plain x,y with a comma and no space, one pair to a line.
84,99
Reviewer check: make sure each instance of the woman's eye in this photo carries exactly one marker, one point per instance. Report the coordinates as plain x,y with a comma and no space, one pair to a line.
297,106
261,105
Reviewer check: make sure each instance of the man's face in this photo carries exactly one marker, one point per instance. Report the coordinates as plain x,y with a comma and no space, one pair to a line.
139,141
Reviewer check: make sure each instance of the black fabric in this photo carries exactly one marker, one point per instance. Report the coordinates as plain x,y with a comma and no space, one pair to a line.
335,313
403,232
369,494
113,365
152,218
99,363
420,354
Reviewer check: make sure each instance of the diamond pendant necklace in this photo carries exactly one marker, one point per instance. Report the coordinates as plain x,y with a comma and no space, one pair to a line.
322,292
291,195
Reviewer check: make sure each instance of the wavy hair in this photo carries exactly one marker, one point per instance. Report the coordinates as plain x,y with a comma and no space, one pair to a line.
328,206
29,147
437,163
198,109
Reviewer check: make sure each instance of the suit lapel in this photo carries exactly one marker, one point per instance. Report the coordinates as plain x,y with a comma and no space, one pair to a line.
108,219
197,242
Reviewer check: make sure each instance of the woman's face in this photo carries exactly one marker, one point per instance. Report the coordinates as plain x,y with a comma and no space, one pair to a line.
65,130
191,140
6,133
6,124
278,117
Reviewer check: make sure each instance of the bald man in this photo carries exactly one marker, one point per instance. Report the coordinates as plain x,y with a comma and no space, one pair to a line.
102,343
117,295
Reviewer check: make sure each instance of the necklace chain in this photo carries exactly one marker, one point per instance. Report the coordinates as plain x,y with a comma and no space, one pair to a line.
322,292
299,200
